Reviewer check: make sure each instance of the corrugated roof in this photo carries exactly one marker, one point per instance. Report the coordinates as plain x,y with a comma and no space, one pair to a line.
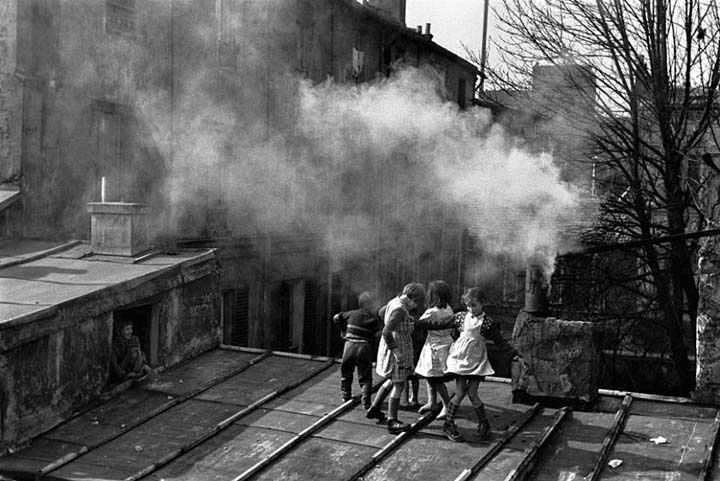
234,414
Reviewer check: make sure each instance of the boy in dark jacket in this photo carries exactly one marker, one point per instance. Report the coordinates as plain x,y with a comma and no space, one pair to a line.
359,328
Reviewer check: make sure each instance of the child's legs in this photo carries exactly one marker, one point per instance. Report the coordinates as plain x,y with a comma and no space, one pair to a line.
472,391
347,366
460,389
415,386
397,389
364,362
441,389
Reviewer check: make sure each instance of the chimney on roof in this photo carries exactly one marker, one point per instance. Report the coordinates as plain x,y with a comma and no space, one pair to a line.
394,9
119,228
535,290
427,31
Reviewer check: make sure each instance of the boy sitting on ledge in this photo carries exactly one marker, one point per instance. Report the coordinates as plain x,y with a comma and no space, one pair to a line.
127,360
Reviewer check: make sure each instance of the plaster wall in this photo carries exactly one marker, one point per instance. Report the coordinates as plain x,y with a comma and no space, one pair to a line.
57,364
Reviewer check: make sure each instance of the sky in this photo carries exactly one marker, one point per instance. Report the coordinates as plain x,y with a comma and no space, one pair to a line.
453,22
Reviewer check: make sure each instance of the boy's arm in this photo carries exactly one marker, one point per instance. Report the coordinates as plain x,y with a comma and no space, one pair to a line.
341,323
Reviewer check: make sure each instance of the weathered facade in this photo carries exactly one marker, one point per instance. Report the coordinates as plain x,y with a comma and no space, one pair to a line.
60,312
191,107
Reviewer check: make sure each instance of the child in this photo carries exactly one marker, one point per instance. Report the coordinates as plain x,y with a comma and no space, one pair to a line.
395,355
431,364
418,340
127,360
468,361
358,328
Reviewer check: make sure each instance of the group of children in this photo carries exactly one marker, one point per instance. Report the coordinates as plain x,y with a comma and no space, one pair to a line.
445,355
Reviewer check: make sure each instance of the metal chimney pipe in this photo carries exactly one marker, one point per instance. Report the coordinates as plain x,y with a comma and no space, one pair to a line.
535,290
427,29
418,29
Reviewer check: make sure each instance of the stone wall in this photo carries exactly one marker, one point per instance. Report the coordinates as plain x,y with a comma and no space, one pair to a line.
707,374
563,359
59,362
10,95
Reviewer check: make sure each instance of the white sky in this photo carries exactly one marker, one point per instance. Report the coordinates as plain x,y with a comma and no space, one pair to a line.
452,22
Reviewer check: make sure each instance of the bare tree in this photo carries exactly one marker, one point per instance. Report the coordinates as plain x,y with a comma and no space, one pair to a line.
639,97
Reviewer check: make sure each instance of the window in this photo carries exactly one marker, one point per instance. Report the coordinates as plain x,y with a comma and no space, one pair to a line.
114,150
119,17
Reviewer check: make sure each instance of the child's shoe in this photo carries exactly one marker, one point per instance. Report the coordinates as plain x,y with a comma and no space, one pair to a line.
450,431
484,429
397,427
375,413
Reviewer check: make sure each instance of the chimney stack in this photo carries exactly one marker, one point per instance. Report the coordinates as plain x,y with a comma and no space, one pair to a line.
535,290
119,228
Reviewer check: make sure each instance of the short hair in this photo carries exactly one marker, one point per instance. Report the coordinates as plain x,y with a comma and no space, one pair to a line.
474,294
414,291
365,300
439,294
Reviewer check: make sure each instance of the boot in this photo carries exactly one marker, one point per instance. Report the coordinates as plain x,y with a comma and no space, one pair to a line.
484,429
346,392
449,429
394,426
375,411
366,395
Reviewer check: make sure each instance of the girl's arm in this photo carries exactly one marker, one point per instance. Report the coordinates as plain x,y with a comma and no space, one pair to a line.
395,319
490,330
435,321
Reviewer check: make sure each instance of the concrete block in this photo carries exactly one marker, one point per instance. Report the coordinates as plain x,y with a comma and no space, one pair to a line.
563,356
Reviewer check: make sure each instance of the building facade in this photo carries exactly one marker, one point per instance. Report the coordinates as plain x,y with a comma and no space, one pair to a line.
191,108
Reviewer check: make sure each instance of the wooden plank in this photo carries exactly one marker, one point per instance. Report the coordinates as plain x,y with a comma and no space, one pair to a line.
134,409
279,420
530,455
103,422
680,459
659,407
222,457
611,438
303,407
499,443
393,445
319,460
225,423
154,439
709,460
29,460
511,455
574,451
427,458
266,377
200,372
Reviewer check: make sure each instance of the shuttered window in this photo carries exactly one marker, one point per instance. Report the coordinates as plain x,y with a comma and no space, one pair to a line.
241,323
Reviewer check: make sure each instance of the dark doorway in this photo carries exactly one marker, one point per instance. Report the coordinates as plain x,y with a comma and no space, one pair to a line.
145,327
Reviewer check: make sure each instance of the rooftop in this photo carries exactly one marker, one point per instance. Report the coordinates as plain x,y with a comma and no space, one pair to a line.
38,276
237,413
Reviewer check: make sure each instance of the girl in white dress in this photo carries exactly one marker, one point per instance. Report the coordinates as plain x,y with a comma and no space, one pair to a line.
434,353
468,360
